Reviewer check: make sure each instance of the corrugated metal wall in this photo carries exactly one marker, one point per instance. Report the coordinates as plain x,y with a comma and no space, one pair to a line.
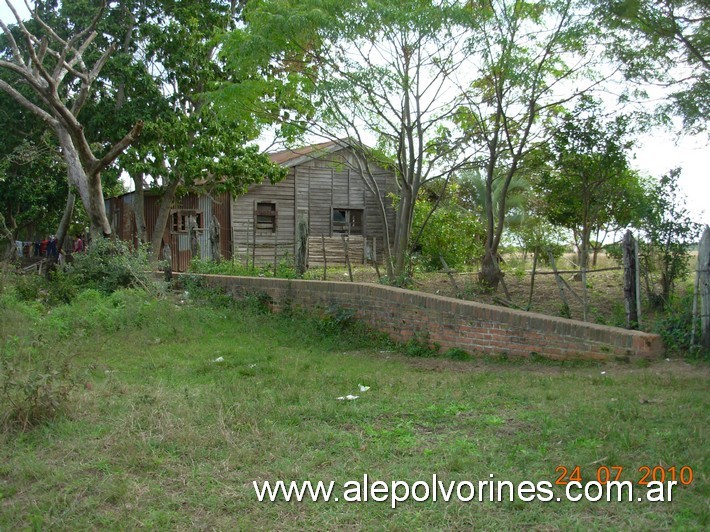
121,216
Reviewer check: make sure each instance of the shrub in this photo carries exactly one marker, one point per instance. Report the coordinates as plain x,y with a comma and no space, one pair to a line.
93,311
451,232
30,287
336,319
32,397
109,265
421,347
675,325
456,353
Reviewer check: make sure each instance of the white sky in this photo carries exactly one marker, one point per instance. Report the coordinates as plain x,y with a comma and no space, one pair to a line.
656,154
660,152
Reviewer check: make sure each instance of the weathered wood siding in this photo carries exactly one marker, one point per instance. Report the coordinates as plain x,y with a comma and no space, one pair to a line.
246,234
310,192
335,249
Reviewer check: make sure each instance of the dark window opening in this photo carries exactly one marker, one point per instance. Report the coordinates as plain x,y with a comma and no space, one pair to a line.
265,215
180,220
347,221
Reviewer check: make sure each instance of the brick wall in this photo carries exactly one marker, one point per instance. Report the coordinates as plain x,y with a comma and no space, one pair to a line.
473,327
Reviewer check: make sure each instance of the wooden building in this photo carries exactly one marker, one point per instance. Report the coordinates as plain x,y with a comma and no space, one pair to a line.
200,208
323,205
322,200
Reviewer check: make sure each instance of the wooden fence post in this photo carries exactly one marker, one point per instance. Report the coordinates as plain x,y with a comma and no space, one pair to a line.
253,245
704,288
629,254
532,280
346,241
246,254
451,275
560,285
215,239
638,282
301,244
325,258
194,239
168,260
276,251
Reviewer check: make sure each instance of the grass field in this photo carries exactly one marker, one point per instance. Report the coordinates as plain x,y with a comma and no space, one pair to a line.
157,435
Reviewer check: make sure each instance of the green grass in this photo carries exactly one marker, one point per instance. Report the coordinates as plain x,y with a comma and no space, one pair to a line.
159,436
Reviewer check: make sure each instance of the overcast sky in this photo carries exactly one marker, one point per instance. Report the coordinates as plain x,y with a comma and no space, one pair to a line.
656,154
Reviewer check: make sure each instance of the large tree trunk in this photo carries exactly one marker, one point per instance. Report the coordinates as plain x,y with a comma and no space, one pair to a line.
89,187
139,209
490,274
9,251
402,232
66,219
165,203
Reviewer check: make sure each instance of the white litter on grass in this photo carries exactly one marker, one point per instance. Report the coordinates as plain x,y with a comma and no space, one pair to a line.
252,365
218,359
347,397
363,388
603,372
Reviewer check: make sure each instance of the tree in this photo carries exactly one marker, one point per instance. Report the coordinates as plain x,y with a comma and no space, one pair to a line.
445,228
589,186
186,140
670,232
473,184
33,183
384,69
531,58
666,42
33,188
60,70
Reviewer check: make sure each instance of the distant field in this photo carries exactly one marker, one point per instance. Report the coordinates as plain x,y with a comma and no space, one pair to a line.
158,435
605,291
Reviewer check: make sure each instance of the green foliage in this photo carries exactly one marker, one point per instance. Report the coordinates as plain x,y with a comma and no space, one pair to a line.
185,137
60,288
33,183
587,185
675,326
30,396
336,319
109,265
285,268
670,232
534,234
450,231
420,346
402,280
92,311
456,353
666,42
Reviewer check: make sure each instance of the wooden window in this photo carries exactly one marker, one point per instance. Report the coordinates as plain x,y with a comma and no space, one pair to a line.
265,216
347,221
180,220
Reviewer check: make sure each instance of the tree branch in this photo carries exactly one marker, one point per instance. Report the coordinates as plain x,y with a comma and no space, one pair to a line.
118,148
24,102
13,44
